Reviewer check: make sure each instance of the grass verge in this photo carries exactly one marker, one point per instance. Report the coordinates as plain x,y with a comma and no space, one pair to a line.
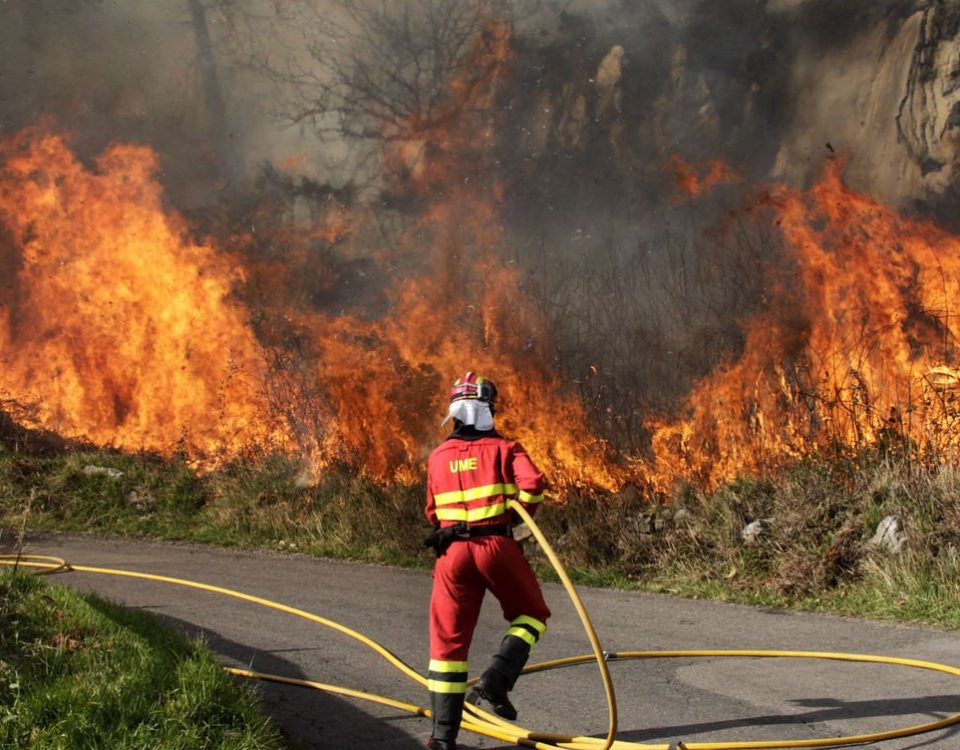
813,551
78,671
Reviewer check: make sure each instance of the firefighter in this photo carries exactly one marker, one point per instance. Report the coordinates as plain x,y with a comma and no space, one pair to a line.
470,478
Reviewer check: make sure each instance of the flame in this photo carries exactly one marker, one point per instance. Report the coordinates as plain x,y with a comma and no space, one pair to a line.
126,333
464,309
694,180
859,345
388,380
118,329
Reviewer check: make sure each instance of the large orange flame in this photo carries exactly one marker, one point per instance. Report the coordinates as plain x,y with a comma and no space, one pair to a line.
114,326
125,333
858,346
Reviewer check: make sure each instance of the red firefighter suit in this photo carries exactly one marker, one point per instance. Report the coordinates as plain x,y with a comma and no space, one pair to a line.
470,478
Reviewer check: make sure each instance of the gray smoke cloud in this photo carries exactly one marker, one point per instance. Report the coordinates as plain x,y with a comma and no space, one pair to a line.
764,84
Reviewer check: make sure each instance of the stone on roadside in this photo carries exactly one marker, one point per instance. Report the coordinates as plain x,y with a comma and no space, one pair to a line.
756,529
91,469
889,536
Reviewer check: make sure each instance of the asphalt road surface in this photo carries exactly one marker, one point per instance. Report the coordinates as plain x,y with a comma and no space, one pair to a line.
708,699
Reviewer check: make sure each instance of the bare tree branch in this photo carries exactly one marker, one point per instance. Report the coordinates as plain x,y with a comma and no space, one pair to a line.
375,68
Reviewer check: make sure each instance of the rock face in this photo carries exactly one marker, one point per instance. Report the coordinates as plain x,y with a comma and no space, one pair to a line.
889,102
929,113
783,93
755,530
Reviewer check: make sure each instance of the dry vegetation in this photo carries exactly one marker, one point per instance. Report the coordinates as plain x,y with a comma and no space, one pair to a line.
813,551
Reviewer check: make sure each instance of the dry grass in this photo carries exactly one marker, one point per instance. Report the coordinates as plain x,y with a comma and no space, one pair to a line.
813,551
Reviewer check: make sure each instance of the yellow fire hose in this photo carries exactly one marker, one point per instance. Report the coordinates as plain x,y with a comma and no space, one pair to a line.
481,722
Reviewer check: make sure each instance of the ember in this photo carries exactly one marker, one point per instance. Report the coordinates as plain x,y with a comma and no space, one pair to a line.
694,180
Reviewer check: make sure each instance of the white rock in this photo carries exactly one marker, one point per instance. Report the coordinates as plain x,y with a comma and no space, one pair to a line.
93,469
755,529
889,536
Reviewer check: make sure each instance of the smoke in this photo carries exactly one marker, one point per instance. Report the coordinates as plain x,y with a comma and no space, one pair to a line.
104,70
755,82
108,70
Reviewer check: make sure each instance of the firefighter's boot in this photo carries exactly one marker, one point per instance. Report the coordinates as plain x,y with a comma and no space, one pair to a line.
434,744
501,676
447,710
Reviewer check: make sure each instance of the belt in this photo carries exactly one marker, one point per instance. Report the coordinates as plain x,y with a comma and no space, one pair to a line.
490,530
441,538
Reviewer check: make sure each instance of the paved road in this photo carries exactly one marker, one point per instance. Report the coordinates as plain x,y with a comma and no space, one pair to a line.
660,700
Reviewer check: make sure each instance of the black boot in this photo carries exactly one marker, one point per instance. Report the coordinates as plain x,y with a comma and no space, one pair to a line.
489,689
501,676
447,710
434,744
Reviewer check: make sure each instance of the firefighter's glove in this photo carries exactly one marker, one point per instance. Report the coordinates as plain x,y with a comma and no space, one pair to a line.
442,538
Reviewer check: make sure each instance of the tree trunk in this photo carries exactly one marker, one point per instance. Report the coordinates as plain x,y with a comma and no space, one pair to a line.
217,128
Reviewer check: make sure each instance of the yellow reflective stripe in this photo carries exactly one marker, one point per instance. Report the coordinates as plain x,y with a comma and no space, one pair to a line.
526,497
474,493
540,627
451,514
522,625
439,686
436,665
472,514
523,634
487,511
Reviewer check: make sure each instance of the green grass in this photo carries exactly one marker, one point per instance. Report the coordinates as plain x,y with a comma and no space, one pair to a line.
80,672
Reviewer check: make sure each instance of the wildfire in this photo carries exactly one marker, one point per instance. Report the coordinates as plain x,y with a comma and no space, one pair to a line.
857,346
125,333
462,309
119,329
113,325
